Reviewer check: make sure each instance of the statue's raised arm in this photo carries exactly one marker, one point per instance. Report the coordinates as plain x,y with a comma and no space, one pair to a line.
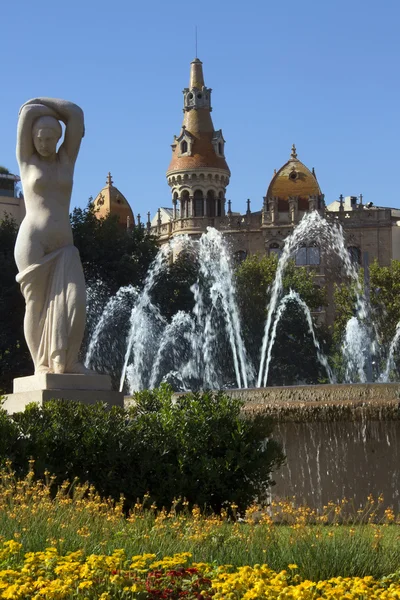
50,270
37,110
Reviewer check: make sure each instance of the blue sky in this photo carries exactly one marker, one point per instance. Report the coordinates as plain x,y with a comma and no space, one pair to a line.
324,75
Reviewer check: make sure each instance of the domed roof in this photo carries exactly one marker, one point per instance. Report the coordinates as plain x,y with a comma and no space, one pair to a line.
294,179
111,201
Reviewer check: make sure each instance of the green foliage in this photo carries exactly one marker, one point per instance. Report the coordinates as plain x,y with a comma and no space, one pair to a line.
199,446
8,435
172,292
294,357
14,356
109,252
384,284
385,298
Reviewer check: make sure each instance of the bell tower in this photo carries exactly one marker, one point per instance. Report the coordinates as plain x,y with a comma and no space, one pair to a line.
198,173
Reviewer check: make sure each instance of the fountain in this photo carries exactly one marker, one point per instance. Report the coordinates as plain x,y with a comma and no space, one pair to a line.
187,350
336,437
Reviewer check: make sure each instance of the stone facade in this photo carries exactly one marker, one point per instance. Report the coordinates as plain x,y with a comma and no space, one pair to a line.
11,201
198,178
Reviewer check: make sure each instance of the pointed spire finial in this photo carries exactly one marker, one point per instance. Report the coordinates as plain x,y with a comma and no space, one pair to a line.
196,74
293,154
109,180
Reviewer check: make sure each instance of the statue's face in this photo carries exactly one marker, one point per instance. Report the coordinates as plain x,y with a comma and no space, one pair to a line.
45,140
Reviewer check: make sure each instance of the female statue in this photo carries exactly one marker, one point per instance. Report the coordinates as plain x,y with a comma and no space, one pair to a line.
50,270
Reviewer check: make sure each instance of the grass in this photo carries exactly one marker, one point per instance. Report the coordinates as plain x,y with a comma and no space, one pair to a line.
339,541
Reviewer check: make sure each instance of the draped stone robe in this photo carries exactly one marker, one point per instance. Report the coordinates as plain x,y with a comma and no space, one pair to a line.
55,291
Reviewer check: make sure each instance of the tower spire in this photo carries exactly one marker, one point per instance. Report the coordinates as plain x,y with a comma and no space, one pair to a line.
293,153
198,151
196,74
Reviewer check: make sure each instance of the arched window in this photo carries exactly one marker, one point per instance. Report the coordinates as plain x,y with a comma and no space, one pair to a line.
220,148
308,255
239,256
274,249
210,204
198,202
220,204
313,255
355,254
184,204
301,256
184,147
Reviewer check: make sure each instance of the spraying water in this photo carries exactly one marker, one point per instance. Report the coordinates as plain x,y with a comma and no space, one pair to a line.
331,241
190,346
293,296
385,376
205,348
116,304
145,320
215,268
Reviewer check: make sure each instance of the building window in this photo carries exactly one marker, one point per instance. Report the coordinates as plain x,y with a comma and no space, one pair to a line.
274,249
301,256
313,255
184,147
198,203
308,255
220,148
355,255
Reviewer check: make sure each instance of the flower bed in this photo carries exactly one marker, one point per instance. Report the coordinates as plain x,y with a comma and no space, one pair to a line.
49,575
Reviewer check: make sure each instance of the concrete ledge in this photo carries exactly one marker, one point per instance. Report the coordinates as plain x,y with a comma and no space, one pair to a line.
336,393
66,381
17,402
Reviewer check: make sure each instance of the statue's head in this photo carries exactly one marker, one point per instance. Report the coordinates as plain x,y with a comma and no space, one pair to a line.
46,133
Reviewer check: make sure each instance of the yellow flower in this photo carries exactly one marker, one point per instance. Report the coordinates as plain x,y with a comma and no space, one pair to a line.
85,584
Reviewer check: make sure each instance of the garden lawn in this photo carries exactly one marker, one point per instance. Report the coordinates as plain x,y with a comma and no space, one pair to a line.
339,542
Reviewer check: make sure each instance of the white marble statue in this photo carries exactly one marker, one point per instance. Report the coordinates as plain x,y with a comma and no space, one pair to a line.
50,269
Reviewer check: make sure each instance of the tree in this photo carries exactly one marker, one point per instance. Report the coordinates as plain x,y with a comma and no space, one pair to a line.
14,355
294,355
385,298
383,314
111,253
112,257
172,292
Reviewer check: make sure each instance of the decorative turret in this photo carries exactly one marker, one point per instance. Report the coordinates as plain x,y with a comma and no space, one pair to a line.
111,201
293,190
198,173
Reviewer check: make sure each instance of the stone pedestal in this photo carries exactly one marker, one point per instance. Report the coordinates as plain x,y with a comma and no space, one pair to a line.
40,388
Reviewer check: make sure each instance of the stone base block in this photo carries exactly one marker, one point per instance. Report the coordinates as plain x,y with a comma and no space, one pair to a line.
66,381
18,401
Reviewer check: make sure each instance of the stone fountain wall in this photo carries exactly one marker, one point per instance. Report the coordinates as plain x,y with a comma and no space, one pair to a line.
341,441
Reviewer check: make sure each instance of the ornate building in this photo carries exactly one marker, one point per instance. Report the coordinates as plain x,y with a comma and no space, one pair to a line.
111,201
11,199
198,176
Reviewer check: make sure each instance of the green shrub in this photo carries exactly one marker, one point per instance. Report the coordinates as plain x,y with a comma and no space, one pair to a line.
197,446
